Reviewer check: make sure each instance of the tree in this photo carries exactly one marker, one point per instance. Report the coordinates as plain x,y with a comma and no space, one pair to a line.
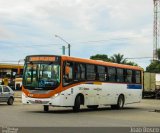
154,67
118,58
100,57
158,54
155,64
131,63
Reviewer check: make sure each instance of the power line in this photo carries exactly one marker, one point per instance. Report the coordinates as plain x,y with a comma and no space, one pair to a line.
140,58
97,41
112,39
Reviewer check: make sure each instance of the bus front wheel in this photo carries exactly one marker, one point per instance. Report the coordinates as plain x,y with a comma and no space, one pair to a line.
77,104
46,108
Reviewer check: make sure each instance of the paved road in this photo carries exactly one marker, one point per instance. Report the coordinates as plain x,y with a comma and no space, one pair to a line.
19,115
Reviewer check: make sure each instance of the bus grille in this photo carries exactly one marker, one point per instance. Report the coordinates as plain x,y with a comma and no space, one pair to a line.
42,102
38,91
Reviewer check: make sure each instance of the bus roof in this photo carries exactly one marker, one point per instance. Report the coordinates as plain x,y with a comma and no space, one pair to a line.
100,62
97,62
11,66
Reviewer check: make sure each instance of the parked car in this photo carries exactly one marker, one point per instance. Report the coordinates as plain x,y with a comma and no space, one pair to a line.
6,94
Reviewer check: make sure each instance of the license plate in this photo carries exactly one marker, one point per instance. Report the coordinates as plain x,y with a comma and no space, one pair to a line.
38,101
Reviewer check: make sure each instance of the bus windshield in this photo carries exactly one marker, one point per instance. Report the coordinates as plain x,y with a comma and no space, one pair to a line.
43,76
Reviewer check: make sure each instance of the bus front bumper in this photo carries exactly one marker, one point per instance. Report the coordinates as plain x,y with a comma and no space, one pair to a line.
54,101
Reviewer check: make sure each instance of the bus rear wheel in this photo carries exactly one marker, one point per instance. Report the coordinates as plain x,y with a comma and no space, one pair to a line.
92,106
120,103
46,108
77,103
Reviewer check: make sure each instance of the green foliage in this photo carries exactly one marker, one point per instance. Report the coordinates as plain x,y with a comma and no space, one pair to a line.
155,64
100,57
158,54
154,67
131,63
116,58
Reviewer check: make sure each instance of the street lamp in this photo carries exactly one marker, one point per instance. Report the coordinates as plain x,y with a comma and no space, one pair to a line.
69,45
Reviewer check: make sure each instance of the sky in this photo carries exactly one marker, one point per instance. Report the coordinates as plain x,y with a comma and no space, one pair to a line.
92,27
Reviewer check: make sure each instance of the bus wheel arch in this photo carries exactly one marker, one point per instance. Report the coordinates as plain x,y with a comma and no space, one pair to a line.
120,102
79,100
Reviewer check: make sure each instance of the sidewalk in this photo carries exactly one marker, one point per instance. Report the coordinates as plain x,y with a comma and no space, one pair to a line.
18,96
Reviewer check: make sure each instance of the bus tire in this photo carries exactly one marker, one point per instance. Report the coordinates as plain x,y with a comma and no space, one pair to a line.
10,101
120,103
92,106
77,103
46,108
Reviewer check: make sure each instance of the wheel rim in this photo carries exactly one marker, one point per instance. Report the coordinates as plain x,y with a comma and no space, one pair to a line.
121,102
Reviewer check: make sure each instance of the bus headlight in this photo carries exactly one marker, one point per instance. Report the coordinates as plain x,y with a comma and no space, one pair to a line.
56,95
24,95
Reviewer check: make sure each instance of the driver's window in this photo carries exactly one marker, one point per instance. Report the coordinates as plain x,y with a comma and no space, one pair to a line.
67,73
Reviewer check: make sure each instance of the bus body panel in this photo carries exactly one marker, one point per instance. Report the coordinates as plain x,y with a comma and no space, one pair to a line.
104,94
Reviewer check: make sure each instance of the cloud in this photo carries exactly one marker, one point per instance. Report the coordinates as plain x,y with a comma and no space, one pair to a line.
5,33
29,22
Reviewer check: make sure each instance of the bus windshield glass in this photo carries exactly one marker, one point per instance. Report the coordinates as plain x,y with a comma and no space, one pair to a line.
43,75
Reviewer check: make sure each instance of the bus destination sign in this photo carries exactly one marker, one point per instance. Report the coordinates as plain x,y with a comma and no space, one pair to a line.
42,58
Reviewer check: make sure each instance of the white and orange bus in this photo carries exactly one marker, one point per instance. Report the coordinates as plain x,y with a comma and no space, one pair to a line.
66,81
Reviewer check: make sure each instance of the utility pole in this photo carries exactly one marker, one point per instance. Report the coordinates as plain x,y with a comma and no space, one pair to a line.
156,28
63,50
69,46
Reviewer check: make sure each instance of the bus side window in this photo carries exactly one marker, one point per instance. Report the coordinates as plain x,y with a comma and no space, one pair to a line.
106,74
67,70
120,75
77,71
133,76
112,74
138,77
82,71
101,73
68,73
91,74
129,76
